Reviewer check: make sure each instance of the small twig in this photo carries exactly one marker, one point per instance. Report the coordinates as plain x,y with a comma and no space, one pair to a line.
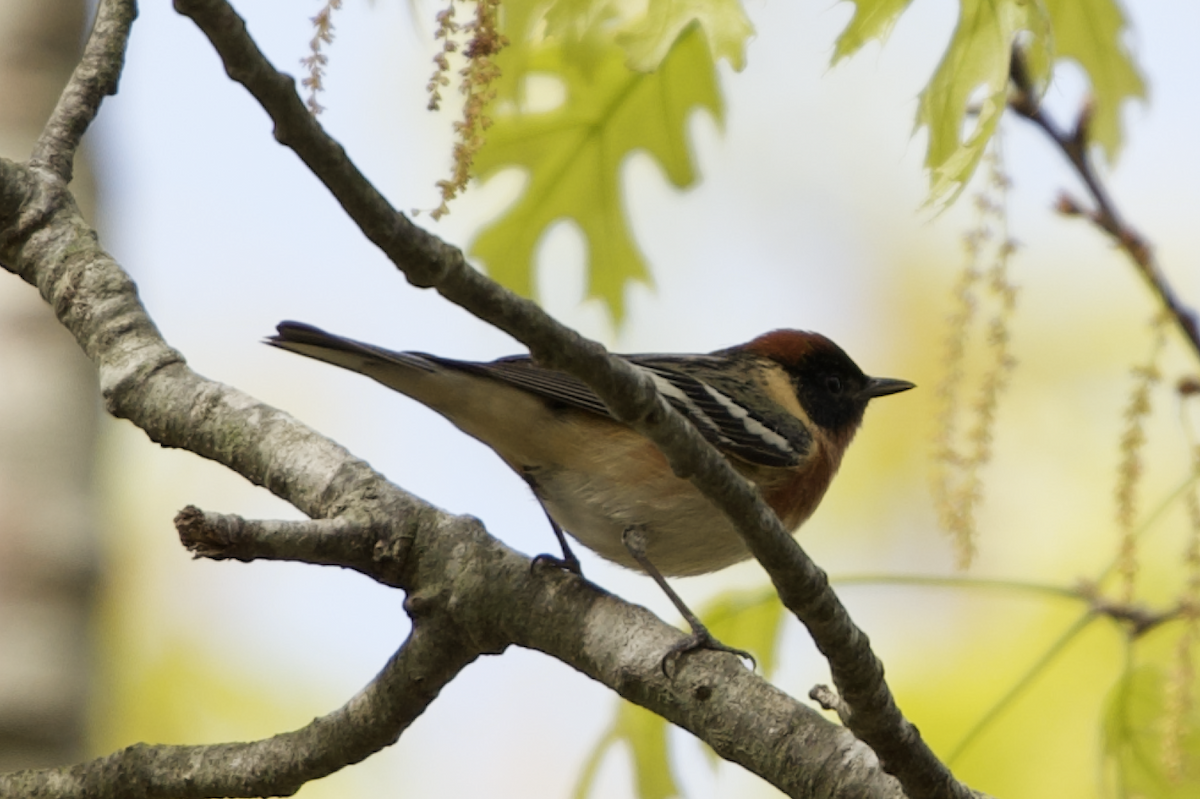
321,542
1074,145
828,699
1138,618
94,78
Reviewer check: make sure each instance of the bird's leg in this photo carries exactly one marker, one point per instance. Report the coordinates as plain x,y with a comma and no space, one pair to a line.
634,539
568,562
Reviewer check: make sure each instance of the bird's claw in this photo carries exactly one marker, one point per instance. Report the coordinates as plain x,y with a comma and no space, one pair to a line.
567,564
701,638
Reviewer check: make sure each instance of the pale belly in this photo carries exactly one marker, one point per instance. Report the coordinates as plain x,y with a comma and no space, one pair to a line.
685,533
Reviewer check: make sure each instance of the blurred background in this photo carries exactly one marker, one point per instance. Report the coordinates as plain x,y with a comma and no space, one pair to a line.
808,214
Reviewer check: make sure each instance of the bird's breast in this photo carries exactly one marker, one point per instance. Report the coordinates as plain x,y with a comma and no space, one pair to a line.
602,491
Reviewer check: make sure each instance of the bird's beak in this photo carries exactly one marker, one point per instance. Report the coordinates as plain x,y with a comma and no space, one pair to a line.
882,386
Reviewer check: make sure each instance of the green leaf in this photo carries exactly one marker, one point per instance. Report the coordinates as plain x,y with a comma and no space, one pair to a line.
573,156
978,57
974,71
1090,33
1135,718
520,21
587,775
584,30
648,39
873,19
646,736
747,620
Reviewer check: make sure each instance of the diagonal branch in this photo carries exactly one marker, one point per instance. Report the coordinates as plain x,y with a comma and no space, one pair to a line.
1076,147
94,78
429,262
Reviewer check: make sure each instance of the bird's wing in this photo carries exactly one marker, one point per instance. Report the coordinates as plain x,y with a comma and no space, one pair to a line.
733,429
725,424
729,425
522,372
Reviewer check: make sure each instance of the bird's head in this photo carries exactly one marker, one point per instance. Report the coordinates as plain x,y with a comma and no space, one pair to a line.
830,387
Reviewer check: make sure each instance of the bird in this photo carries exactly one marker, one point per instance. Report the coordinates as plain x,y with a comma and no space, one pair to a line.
782,408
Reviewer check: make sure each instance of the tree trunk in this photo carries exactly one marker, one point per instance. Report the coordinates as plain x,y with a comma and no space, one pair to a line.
48,415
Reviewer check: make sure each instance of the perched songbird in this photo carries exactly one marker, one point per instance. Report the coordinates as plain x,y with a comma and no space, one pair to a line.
782,408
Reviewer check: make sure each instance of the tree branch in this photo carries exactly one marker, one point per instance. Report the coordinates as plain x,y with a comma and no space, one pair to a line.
321,542
429,262
94,78
497,600
1076,147
276,766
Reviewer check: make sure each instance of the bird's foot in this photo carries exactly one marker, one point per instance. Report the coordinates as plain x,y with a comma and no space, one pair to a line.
700,639
567,563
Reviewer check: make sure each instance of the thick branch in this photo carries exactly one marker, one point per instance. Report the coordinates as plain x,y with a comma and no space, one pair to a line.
427,261
93,79
497,599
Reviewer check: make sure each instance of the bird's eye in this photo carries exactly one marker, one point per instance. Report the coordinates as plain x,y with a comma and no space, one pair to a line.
834,385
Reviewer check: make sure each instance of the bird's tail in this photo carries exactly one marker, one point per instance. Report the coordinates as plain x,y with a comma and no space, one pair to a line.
398,370
506,417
